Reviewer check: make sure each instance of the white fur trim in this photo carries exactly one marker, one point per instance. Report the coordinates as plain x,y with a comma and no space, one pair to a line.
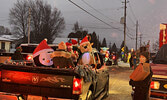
37,53
84,43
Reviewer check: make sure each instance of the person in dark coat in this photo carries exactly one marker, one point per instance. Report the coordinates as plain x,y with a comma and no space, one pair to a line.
131,58
142,88
62,58
17,54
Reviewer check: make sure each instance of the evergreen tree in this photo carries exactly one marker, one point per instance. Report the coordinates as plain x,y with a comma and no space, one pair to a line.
110,48
114,48
104,44
78,32
94,40
98,43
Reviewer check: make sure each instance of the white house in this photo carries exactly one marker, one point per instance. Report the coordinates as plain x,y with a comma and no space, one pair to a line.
6,43
58,40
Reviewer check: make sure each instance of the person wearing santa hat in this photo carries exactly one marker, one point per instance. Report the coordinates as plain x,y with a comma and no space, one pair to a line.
69,47
41,54
61,57
17,54
74,54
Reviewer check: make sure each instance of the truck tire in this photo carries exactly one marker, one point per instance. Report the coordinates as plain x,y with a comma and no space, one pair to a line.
89,95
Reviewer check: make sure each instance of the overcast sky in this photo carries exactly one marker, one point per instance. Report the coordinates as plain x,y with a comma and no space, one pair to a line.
149,13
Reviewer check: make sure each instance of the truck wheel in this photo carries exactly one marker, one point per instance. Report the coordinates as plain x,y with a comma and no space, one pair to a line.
89,95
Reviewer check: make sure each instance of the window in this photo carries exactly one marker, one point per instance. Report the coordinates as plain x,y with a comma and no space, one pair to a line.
3,45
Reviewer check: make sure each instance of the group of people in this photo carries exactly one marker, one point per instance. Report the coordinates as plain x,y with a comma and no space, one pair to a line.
142,86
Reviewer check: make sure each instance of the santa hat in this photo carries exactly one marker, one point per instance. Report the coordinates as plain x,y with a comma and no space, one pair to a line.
68,44
84,40
74,42
19,49
43,46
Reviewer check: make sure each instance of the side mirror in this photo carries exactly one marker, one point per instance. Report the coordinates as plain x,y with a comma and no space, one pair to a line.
93,65
98,66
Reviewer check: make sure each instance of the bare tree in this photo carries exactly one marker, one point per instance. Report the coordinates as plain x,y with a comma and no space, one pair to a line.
77,28
45,21
18,18
155,46
4,31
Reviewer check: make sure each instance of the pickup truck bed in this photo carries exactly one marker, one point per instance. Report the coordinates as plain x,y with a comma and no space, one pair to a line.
38,81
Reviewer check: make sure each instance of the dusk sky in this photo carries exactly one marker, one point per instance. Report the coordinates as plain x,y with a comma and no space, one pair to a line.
149,13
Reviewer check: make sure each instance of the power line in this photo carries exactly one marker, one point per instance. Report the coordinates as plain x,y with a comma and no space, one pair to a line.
93,27
132,11
129,31
98,11
130,35
93,15
131,20
120,0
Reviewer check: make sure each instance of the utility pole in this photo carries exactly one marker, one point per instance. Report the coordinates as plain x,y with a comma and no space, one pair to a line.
136,33
98,42
140,39
125,28
29,20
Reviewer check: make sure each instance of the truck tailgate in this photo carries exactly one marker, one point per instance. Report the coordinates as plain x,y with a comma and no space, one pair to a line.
159,70
37,81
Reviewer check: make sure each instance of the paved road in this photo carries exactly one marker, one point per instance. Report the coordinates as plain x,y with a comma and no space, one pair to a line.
119,88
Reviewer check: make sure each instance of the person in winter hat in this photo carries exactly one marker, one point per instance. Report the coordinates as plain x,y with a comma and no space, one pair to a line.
146,55
75,51
41,54
142,88
61,57
69,47
17,54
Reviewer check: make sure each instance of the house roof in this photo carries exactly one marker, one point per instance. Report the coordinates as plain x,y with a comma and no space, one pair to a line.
8,38
11,37
5,39
58,40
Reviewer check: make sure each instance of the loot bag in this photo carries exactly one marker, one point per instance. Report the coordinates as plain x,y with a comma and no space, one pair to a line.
141,72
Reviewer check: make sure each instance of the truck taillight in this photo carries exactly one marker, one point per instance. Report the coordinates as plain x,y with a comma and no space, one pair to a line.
0,74
77,86
29,57
155,85
113,57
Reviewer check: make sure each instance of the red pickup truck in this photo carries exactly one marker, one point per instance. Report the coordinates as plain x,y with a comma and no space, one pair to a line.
159,68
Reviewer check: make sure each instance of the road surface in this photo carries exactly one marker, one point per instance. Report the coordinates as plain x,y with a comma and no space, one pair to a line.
119,88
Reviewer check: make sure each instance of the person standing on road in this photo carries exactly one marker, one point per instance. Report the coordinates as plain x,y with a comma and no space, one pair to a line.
134,61
142,88
131,58
17,54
